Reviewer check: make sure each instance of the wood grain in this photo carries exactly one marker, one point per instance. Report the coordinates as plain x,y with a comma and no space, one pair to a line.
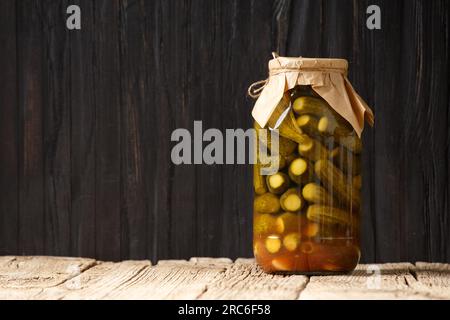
9,140
56,278
30,92
86,119
56,130
108,130
386,281
27,277
83,140
432,279
244,280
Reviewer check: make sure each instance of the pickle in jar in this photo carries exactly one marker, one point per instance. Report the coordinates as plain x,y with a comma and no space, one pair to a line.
341,131
313,150
291,200
346,161
287,222
266,203
277,183
264,224
273,244
300,171
315,193
328,215
333,179
283,119
308,124
291,241
285,146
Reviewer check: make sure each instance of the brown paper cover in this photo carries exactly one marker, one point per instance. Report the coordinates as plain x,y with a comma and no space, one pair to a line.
328,78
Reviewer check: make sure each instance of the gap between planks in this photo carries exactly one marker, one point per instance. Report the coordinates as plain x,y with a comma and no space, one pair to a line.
211,278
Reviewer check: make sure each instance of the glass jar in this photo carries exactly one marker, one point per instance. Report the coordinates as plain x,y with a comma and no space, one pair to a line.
307,211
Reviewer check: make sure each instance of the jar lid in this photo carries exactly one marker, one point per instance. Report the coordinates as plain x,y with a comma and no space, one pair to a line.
327,77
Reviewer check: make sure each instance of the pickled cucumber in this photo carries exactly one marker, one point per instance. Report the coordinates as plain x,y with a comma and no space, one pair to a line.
312,106
328,215
288,127
291,200
317,194
291,241
285,146
300,171
351,142
334,180
309,125
259,181
346,160
275,162
266,203
277,183
287,222
341,131
264,223
334,126
313,151
273,244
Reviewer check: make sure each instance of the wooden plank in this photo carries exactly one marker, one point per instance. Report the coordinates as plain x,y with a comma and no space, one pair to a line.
432,279
99,282
361,65
172,281
159,124
227,215
27,277
83,138
106,69
211,278
56,132
426,131
137,280
30,55
386,214
134,169
210,33
176,23
306,29
382,281
9,144
244,280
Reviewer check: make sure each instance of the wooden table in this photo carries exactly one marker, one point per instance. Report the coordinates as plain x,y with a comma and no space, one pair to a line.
207,278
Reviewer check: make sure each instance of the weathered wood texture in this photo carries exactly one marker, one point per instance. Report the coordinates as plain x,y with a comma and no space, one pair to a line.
209,278
86,118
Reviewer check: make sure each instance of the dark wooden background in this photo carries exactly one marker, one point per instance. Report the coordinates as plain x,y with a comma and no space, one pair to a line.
86,118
